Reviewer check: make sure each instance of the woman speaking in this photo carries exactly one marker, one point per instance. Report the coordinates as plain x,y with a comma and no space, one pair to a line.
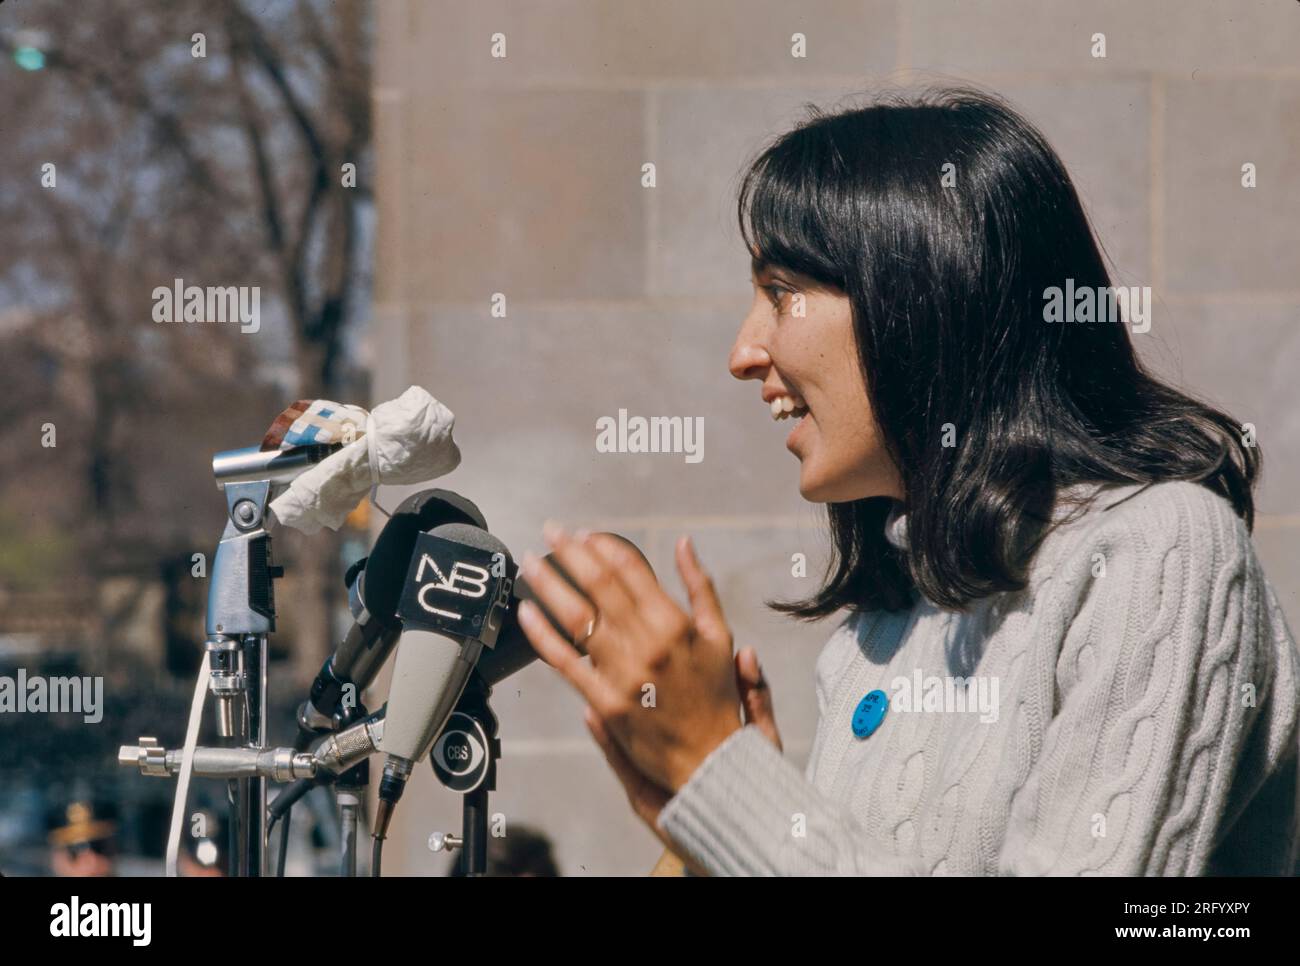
1018,510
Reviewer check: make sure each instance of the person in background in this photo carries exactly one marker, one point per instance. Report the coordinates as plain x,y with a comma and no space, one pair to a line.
523,852
82,841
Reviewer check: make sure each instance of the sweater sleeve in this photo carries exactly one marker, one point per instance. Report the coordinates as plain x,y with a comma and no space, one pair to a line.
747,810
1163,669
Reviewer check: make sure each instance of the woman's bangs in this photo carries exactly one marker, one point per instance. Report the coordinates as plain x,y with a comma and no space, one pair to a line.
781,218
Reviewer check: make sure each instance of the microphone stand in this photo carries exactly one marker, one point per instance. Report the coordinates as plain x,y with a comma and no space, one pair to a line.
241,614
350,793
464,759
240,618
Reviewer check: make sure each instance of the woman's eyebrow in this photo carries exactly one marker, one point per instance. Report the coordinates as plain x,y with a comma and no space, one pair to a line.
765,267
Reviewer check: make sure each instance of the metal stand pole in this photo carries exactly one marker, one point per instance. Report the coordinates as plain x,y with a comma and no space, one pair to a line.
350,793
474,831
255,659
241,613
464,758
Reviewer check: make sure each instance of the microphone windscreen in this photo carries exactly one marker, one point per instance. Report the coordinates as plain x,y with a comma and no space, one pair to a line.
471,536
385,572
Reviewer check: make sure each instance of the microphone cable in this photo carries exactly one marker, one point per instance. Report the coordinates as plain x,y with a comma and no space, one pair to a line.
284,843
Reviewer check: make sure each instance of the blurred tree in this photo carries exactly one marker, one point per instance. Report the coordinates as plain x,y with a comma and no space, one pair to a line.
219,169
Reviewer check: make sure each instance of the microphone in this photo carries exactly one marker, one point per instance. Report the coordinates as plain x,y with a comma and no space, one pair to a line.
374,589
453,604
514,652
279,467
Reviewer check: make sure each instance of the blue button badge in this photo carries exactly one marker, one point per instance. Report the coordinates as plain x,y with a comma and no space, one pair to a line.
869,713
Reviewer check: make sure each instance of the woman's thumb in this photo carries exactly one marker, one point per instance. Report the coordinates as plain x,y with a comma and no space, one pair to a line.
755,695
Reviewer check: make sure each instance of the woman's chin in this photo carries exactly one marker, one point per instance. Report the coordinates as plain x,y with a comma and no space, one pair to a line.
816,487
811,488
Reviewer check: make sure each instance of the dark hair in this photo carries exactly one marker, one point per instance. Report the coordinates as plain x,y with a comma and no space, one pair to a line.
947,286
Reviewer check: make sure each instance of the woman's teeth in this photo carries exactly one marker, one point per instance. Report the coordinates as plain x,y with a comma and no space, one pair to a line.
784,406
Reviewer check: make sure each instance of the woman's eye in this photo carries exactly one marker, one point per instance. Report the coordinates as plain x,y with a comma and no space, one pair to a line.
775,293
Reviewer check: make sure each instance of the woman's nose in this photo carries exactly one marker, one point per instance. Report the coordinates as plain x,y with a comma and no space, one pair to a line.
749,358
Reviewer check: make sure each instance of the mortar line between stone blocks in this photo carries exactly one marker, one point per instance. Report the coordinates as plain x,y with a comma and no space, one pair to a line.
856,81
584,747
704,522
737,301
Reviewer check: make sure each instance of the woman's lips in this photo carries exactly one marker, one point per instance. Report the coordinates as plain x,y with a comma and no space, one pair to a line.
789,440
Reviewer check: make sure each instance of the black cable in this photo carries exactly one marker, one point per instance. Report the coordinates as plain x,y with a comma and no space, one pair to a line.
284,843
376,858
287,798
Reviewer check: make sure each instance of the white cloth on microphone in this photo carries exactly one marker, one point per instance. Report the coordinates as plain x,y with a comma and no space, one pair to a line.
406,440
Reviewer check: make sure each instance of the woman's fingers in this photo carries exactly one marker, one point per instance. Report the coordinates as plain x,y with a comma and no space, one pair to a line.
756,696
647,798
639,579
705,606
571,609
601,583
561,655
653,604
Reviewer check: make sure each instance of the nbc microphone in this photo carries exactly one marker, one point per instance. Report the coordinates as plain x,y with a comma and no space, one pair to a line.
453,604
374,587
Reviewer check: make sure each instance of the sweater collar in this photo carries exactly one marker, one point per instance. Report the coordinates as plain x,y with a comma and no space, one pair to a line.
896,521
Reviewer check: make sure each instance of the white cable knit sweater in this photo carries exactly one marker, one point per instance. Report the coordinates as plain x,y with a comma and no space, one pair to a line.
1147,690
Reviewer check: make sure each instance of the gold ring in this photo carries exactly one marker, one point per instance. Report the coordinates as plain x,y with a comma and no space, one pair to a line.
591,629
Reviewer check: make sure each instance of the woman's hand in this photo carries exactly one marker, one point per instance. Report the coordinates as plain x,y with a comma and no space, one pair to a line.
648,799
661,686
649,640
